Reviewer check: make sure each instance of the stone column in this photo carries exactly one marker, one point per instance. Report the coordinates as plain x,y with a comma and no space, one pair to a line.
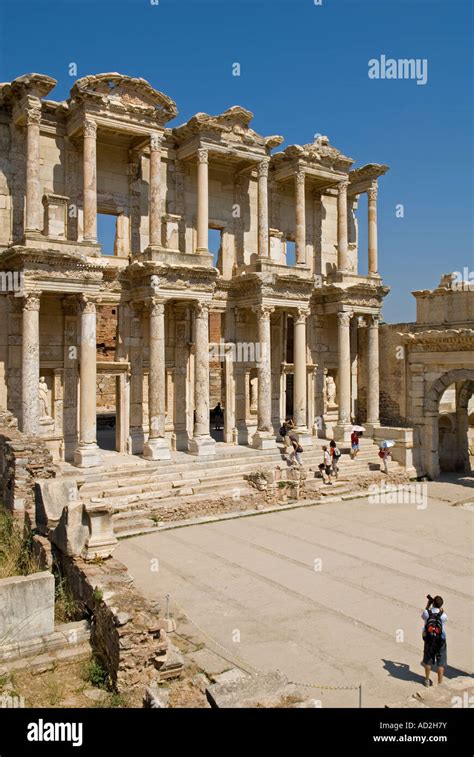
264,437
372,231
30,366
154,193
299,377
373,399
343,428
300,218
202,201
33,190
90,181
87,454
263,250
202,443
156,448
342,241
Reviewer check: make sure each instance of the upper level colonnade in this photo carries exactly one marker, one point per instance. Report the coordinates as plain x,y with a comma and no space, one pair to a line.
113,128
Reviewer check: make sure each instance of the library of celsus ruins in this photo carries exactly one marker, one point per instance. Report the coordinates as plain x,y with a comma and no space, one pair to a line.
156,327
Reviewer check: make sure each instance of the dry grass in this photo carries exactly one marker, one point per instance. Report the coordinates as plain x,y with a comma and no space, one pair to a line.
16,558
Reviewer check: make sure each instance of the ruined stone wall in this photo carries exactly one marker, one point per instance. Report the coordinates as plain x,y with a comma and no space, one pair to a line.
128,635
23,461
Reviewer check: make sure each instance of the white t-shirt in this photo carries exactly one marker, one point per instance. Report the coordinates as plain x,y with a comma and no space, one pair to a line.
327,458
435,611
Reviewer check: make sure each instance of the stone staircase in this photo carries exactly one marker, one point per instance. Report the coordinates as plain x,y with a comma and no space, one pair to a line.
138,494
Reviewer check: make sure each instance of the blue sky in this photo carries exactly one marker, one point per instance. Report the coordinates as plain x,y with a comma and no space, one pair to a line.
304,70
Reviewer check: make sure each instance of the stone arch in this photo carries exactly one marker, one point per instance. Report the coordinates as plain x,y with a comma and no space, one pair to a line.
438,387
433,394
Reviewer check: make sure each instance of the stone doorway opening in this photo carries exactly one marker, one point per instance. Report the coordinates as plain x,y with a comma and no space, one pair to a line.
449,408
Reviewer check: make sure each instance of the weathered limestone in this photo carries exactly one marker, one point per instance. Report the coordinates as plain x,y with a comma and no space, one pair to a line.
26,607
373,397
30,363
342,240
33,191
263,249
264,437
201,442
202,201
90,181
343,428
87,454
156,448
155,191
372,229
300,218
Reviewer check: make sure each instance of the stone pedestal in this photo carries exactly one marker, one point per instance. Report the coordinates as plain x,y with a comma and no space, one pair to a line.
101,541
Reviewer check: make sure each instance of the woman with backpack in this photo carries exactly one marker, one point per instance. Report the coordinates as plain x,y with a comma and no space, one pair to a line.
434,637
335,455
284,432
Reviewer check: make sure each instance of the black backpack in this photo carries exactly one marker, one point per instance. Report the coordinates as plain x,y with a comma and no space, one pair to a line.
433,631
283,431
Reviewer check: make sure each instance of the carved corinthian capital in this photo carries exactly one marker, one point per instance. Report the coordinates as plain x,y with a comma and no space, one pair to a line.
373,321
342,186
90,128
87,304
203,155
33,114
372,192
300,178
31,301
201,309
301,315
155,141
344,318
263,167
263,311
157,307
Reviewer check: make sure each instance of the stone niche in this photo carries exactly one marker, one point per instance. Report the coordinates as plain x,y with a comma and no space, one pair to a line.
55,216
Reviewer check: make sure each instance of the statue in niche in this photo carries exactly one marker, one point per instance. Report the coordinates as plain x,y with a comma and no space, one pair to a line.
43,398
331,393
254,394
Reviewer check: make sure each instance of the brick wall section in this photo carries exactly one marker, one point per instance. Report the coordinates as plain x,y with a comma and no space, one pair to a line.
106,332
23,459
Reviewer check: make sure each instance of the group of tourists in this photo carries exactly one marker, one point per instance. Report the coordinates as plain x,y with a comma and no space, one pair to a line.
329,468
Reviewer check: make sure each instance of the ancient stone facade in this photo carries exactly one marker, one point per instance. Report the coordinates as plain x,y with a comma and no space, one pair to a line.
427,376
290,329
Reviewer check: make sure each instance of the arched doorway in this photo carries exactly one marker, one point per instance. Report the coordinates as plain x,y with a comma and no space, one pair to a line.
445,437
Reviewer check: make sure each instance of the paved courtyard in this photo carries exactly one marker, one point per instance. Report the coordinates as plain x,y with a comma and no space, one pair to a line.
327,594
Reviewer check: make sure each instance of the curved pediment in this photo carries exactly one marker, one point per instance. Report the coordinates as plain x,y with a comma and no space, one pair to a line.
117,91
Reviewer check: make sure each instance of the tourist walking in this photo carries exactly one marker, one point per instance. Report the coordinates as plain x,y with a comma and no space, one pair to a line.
284,432
326,466
354,444
385,455
297,451
434,637
335,455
